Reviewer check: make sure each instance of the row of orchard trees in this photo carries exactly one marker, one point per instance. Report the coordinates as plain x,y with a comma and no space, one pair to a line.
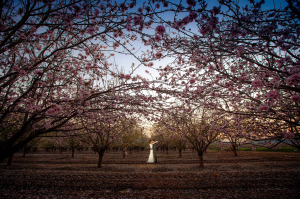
56,74
240,62
199,128
99,137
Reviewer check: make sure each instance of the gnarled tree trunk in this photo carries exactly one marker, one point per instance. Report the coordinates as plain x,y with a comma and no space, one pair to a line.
201,162
101,154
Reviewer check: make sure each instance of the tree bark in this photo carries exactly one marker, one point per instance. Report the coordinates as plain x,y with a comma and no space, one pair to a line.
179,153
101,153
25,151
234,149
201,160
73,151
9,159
6,151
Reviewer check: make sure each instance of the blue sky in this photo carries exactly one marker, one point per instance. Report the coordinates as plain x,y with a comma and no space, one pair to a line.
126,61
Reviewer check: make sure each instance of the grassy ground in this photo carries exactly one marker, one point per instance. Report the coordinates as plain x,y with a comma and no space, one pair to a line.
253,174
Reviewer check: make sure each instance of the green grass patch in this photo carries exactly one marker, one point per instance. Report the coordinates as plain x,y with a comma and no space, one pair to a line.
245,149
287,149
263,149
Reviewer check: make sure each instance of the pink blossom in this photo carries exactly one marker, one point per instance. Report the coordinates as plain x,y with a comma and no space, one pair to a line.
263,107
116,44
27,50
47,125
193,15
256,83
253,149
292,80
91,31
296,98
192,81
191,3
273,95
137,20
151,64
289,135
55,109
158,55
22,73
128,27
38,72
211,67
160,30
15,68
157,38
128,77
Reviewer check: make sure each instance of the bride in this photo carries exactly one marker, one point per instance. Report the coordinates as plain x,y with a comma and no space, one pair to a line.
152,157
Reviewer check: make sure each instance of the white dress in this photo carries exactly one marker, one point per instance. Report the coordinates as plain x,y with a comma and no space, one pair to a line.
151,158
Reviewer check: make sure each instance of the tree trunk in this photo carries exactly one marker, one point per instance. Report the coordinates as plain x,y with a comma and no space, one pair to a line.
179,153
8,150
73,151
123,153
25,151
167,150
234,150
201,160
9,159
101,153
130,151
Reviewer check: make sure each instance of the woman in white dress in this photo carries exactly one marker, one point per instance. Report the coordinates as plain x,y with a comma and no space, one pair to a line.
151,158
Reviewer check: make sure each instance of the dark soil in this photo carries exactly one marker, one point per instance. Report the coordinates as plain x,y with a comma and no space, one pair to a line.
250,175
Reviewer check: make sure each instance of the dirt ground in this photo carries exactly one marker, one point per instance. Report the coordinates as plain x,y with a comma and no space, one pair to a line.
250,175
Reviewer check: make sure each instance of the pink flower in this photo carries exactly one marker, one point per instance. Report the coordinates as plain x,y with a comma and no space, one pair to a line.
128,27
256,83
191,3
157,38
160,30
193,15
211,67
273,95
292,80
22,73
289,135
128,77
192,81
27,50
158,55
116,44
38,72
91,31
295,98
263,107
151,64
253,149
16,68
137,20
